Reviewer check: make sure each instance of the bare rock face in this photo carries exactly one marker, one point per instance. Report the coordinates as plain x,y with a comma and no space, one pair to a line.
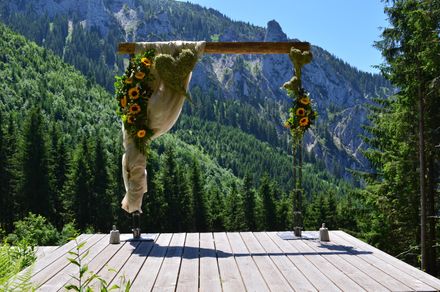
276,68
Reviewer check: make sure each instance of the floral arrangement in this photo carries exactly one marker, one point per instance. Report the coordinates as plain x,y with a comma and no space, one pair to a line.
301,114
132,91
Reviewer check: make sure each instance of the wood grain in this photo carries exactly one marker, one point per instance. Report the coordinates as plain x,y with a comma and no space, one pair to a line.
236,47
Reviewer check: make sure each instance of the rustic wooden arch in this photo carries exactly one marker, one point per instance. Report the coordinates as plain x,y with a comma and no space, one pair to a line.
257,48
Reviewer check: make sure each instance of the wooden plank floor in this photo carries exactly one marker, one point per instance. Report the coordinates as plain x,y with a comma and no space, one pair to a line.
235,261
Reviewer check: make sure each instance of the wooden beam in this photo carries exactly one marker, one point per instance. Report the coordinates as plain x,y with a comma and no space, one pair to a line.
237,47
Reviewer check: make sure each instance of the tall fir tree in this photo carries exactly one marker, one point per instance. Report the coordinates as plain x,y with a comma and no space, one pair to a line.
101,201
234,219
249,204
269,210
411,47
216,211
35,184
199,198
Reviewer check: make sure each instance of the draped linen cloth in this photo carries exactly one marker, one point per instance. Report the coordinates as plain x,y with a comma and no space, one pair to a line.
164,108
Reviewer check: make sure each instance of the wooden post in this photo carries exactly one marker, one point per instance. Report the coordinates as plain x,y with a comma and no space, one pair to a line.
236,47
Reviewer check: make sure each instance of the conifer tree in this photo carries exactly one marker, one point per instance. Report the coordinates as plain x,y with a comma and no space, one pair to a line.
410,46
217,211
35,185
6,177
266,195
78,190
249,204
170,182
199,198
234,219
101,202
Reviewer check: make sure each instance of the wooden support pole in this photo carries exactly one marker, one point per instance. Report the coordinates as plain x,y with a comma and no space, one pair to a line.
237,47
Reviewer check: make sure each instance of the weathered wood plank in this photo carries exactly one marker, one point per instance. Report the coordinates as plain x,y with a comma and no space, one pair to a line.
229,273
340,257
168,274
274,279
336,275
251,276
372,271
114,265
43,251
41,264
58,273
65,275
98,262
236,47
209,272
134,263
189,270
293,275
379,261
149,271
312,273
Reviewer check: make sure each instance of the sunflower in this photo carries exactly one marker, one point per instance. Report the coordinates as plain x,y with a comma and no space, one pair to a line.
146,62
139,75
124,101
133,93
129,80
300,112
135,108
141,133
130,119
304,100
304,122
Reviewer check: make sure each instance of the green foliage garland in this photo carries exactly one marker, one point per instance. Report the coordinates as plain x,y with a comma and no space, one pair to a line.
301,114
132,92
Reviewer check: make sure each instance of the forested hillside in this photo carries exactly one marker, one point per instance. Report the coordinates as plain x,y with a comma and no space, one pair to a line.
243,91
60,157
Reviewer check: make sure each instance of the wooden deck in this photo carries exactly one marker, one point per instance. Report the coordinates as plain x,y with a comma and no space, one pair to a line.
245,261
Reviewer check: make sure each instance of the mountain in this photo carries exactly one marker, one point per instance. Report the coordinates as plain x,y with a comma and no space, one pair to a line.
60,147
85,34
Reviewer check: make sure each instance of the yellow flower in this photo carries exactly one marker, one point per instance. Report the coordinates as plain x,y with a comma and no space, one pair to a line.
287,125
124,101
300,112
139,75
146,62
133,93
135,108
304,122
304,100
129,80
130,119
141,133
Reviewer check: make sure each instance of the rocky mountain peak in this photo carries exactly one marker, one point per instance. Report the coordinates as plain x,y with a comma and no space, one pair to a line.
274,33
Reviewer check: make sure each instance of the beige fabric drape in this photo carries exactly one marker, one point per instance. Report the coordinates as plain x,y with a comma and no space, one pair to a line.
164,108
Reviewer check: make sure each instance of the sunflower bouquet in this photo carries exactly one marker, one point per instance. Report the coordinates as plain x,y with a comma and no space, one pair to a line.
132,91
301,114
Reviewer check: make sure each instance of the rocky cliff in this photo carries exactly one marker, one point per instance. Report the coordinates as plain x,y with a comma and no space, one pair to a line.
339,91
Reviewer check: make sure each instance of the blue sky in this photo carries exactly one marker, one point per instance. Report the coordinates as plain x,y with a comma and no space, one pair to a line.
345,28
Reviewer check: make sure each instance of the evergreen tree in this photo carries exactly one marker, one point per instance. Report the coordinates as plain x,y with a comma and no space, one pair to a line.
234,219
35,185
217,210
411,47
267,197
249,204
199,198
58,168
101,201
78,191
6,176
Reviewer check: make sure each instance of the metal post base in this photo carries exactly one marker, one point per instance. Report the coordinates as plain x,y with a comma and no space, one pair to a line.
136,225
297,231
